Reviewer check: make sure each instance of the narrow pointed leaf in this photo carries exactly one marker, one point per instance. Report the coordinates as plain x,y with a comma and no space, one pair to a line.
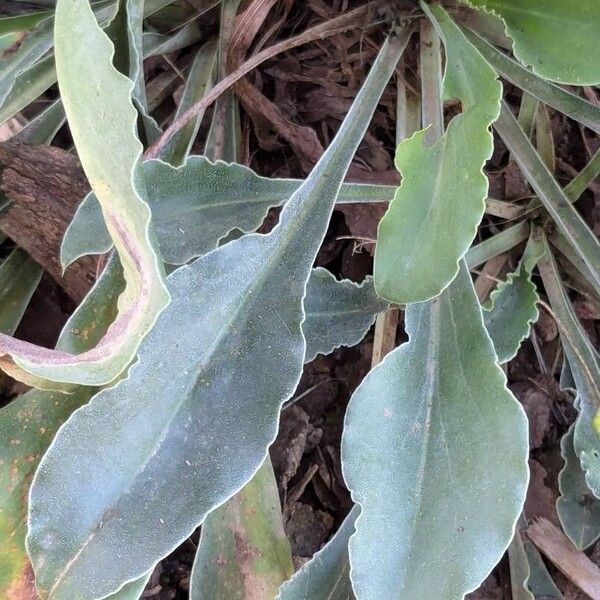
27,426
583,364
244,552
433,218
327,575
519,568
44,127
497,244
554,37
109,152
420,449
552,196
338,313
513,307
231,348
198,204
577,508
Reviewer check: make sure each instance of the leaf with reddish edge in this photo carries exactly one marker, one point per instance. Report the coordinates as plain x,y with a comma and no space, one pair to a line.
102,120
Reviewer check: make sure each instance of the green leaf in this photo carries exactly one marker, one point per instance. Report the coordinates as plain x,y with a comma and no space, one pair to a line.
43,128
102,121
554,37
420,448
433,218
195,206
327,575
19,278
338,313
513,307
201,426
551,94
27,426
552,196
583,363
199,81
244,552
499,243
578,510
519,567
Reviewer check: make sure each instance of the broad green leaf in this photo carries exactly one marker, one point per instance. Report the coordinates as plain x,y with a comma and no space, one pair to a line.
244,552
132,590
577,508
102,121
19,278
27,426
197,205
551,94
420,448
553,197
327,575
583,363
338,313
231,348
199,81
513,306
433,218
554,37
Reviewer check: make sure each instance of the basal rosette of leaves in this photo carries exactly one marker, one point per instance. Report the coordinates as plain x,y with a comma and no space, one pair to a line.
135,470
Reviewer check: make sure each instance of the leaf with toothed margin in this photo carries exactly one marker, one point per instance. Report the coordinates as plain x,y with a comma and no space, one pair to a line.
433,219
197,205
191,424
513,306
420,448
584,367
554,37
28,424
326,576
102,121
338,313
577,508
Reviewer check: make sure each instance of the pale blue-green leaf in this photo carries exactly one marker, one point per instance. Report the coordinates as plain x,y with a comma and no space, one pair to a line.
519,566
102,121
513,306
577,508
338,313
497,244
540,583
19,278
28,424
202,427
43,128
198,204
199,81
433,218
132,590
583,363
244,552
420,449
156,44
327,575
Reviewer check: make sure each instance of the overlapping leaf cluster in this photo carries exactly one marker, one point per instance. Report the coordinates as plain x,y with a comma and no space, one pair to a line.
196,367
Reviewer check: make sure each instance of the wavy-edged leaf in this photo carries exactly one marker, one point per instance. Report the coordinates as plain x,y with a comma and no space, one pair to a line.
577,508
27,426
552,196
19,278
199,81
198,204
202,403
554,37
513,305
551,94
327,575
420,448
338,313
583,363
244,552
433,218
102,121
